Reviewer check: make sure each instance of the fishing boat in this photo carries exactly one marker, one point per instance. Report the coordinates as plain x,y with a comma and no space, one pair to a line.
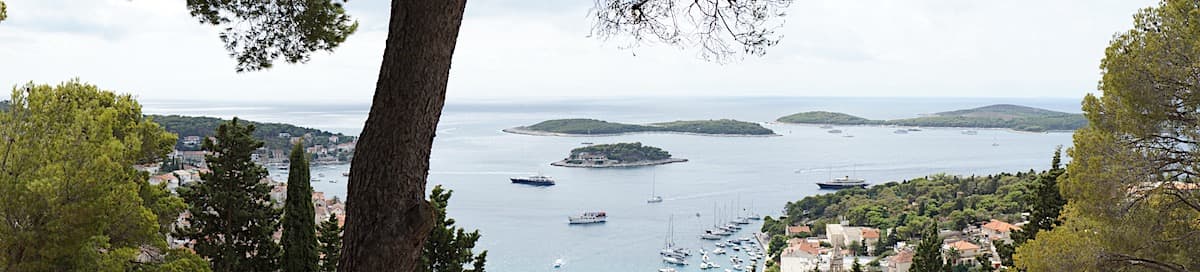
589,218
537,180
843,183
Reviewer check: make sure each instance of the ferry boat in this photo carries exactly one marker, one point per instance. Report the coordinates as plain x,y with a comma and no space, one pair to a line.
538,180
589,218
843,183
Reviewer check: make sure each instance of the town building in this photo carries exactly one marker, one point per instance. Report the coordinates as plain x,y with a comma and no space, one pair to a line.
997,230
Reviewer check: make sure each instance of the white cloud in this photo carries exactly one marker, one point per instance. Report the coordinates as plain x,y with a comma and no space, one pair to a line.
1024,48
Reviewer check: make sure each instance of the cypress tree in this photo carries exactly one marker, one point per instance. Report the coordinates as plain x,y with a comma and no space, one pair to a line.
928,257
331,244
299,238
232,217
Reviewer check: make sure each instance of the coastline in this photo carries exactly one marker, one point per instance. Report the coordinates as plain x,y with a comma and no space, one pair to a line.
525,131
563,163
924,127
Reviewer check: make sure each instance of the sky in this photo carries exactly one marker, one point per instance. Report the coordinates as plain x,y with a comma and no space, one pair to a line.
517,49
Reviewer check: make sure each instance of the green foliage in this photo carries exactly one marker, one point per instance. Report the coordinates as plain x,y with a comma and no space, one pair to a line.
911,204
624,152
774,227
71,199
299,239
856,267
258,34
266,132
331,243
1130,188
449,248
3,11
928,257
592,126
1047,203
233,203
825,117
995,116
776,245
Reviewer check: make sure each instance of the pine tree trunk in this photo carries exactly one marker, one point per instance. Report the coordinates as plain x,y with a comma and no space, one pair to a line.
387,217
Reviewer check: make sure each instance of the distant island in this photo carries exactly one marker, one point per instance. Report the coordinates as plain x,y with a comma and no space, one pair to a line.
1014,117
593,127
617,155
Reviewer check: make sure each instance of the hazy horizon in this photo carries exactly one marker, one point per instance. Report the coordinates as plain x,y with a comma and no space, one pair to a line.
508,48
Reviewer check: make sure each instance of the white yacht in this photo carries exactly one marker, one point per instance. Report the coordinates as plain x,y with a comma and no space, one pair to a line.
589,218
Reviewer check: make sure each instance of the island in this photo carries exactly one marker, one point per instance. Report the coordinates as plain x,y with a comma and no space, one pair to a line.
1016,117
617,155
593,127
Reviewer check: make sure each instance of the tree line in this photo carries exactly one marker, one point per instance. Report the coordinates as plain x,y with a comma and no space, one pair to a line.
74,201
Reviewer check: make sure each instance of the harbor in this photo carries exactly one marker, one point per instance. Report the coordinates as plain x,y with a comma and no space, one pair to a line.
526,228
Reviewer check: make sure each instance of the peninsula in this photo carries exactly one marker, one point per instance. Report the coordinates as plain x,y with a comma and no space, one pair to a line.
617,155
593,127
1021,118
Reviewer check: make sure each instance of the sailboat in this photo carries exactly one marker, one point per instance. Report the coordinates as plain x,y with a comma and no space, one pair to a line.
753,215
670,253
654,198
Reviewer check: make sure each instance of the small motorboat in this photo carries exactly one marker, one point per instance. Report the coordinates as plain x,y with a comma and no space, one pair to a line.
558,263
718,251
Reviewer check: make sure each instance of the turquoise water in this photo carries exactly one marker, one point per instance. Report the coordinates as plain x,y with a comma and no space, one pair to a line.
525,228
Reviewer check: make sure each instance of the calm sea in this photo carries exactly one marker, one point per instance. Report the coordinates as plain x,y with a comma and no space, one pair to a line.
525,228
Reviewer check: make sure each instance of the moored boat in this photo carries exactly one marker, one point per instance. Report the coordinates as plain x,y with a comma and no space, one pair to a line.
538,180
843,183
589,218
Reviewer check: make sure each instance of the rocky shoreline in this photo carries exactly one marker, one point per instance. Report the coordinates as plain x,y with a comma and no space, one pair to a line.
527,131
563,163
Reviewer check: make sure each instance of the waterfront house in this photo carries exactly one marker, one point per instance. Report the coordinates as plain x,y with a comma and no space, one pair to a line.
801,255
798,230
865,236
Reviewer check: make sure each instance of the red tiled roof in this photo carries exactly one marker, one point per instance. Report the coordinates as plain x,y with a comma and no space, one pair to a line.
798,229
904,256
963,246
870,233
1000,226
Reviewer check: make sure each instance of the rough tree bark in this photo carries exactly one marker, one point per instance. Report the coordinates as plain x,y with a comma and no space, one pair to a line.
387,217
